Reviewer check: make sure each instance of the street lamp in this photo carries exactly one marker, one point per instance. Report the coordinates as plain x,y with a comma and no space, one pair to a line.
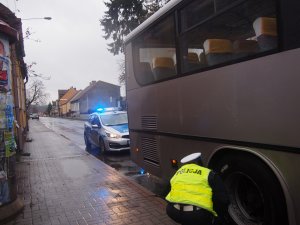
39,18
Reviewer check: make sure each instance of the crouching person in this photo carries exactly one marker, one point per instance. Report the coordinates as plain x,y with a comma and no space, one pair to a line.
198,195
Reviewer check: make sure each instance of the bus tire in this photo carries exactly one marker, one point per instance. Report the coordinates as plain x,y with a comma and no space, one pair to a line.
256,196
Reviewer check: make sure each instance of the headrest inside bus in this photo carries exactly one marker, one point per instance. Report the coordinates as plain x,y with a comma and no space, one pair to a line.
265,26
212,46
163,67
217,51
163,62
193,58
266,32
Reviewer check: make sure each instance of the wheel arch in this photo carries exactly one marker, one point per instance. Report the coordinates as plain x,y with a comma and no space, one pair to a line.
220,152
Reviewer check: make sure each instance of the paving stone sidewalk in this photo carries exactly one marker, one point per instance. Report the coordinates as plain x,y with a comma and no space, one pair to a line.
60,184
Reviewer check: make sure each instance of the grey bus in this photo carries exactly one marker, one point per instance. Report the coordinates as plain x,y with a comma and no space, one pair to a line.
221,77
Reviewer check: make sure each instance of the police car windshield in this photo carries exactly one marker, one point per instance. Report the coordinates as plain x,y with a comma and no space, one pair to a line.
114,119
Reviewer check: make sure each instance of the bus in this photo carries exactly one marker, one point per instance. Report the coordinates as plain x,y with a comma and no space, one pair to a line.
221,77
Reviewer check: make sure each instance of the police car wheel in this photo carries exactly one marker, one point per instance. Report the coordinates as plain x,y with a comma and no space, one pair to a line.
87,143
255,193
102,145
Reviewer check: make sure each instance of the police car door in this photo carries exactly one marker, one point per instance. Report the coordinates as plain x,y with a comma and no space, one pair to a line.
95,130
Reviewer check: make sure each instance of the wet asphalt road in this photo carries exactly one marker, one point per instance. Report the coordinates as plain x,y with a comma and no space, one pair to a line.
73,131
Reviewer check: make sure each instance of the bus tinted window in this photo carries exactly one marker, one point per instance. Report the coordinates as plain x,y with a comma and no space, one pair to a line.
195,12
244,29
155,53
198,11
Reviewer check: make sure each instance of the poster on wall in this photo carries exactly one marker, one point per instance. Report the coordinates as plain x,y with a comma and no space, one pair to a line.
7,139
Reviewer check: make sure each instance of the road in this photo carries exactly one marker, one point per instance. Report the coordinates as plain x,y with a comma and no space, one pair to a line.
73,131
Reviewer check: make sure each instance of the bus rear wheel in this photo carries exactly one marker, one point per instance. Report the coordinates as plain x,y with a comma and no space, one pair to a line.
256,196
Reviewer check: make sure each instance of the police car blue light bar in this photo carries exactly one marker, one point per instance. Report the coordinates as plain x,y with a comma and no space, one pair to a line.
108,109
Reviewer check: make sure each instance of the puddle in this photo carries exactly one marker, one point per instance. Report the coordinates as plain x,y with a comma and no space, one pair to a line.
75,168
153,184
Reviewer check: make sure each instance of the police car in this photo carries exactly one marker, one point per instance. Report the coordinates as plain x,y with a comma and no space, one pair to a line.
108,129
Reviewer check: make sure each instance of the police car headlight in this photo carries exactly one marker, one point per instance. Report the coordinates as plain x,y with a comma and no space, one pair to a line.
112,135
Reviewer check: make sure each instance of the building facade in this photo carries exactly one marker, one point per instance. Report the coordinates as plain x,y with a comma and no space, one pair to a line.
55,109
13,116
60,94
98,94
64,102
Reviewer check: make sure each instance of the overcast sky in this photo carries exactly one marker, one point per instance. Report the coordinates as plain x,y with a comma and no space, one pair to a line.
72,50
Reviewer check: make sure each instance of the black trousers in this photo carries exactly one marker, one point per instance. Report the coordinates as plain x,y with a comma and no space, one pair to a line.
197,217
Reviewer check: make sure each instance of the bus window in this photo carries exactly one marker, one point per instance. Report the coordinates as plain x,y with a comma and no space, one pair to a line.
145,73
243,48
194,62
241,24
195,12
221,4
198,11
155,53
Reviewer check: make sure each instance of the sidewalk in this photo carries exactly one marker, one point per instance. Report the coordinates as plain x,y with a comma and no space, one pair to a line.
60,184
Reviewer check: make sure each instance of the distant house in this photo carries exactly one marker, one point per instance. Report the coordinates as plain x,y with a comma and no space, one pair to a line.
64,102
60,94
97,94
75,112
54,110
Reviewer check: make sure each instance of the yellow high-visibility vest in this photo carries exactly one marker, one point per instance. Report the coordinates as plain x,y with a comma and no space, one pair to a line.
190,186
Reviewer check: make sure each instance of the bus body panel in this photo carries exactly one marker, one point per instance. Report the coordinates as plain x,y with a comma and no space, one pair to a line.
253,101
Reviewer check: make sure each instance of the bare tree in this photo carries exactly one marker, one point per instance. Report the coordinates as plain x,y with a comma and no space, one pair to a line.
28,34
35,93
32,73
